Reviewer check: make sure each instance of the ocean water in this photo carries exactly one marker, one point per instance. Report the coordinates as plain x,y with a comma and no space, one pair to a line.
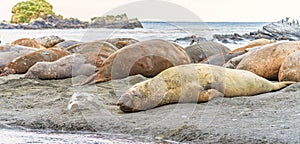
151,30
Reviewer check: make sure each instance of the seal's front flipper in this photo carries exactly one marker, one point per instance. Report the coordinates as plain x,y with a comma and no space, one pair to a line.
209,94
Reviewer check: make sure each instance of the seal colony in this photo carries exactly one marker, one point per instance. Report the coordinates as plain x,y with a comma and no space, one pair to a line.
194,83
173,78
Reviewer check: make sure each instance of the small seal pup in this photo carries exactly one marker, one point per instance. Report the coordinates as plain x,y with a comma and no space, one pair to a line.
194,83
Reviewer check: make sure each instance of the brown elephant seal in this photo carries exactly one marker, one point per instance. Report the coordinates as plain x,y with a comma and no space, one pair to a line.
22,63
66,67
254,43
6,57
9,47
147,58
121,42
65,44
28,43
267,60
96,52
49,41
194,83
221,59
290,68
202,50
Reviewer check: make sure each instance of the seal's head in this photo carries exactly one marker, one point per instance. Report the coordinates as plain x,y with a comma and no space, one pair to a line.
134,99
142,96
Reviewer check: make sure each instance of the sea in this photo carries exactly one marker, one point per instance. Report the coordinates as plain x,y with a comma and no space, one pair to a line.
152,30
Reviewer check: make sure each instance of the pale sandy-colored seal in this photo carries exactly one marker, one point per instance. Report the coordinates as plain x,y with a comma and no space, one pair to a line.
254,43
202,50
66,67
267,60
49,41
28,43
96,52
147,58
22,63
290,68
194,83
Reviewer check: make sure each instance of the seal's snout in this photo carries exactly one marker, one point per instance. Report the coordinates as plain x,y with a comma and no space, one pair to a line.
125,103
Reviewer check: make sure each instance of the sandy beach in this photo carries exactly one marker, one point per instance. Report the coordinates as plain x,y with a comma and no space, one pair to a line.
59,105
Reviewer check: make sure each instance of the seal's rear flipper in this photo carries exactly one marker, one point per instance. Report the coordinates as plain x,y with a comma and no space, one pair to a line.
208,95
280,85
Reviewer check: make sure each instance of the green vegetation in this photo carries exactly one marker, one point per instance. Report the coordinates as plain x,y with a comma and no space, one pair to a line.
25,11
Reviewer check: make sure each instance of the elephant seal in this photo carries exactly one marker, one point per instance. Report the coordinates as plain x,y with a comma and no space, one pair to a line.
96,52
22,63
6,57
194,83
221,59
9,47
121,42
66,67
290,68
267,60
28,43
49,41
202,50
65,44
147,58
252,44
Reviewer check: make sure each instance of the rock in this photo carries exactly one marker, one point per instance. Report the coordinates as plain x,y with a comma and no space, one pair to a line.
49,41
188,39
285,29
51,21
202,50
119,21
290,68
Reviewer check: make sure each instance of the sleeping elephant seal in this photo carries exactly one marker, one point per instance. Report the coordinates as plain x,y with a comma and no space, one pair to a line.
147,58
252,44
121,42
49,41
267,60
202,50
95,52
66,67
22,63
28,43
194,83
290,68
221,59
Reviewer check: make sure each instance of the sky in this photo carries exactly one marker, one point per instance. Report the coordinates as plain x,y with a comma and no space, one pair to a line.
173,10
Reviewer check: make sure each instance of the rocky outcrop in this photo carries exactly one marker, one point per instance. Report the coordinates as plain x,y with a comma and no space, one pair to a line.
53,22
285,29
119,21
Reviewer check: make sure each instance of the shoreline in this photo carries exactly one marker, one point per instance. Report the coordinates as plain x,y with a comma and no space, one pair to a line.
43,104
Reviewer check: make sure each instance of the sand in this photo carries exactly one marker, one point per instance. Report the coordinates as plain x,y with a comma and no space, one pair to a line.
61,105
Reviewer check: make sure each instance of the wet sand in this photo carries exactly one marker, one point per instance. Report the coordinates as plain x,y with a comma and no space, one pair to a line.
60,105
